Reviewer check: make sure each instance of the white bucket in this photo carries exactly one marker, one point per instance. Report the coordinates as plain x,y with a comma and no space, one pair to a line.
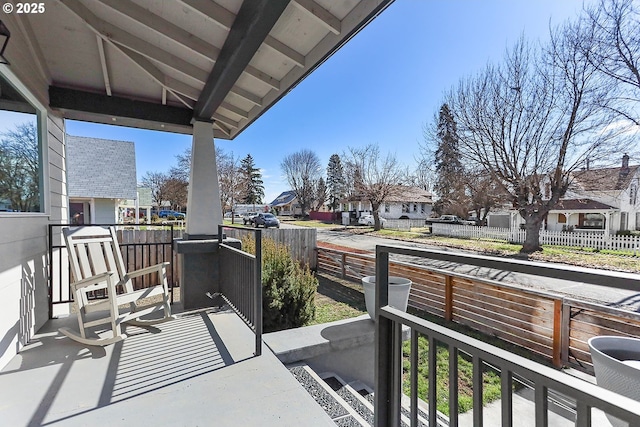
399,288
616,362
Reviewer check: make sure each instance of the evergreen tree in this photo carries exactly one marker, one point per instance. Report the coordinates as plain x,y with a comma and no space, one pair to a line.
336,185
321,194
252,181
449,185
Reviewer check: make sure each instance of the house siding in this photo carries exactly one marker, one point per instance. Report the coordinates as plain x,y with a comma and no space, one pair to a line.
24,306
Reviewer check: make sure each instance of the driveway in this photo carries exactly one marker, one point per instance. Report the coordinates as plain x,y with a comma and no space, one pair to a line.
628,300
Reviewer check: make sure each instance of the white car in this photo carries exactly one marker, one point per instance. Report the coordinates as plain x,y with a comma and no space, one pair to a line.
367,219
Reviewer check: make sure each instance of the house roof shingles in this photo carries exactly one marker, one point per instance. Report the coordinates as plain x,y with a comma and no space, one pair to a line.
604,179
581,204
101,168
284,198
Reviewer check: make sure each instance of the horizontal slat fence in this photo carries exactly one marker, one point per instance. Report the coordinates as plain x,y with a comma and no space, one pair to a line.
629,244
552,326
300,241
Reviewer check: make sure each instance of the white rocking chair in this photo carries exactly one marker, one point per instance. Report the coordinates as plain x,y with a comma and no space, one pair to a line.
97,265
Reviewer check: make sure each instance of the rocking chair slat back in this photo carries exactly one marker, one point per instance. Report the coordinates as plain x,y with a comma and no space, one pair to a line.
93,250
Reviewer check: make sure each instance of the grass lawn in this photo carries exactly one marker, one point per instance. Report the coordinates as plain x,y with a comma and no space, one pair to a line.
338,299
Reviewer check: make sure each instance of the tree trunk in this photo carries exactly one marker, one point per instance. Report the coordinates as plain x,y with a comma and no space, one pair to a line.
532,239
376,217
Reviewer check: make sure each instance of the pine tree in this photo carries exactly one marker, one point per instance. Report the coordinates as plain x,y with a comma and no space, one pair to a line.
335,181
449,183
252,180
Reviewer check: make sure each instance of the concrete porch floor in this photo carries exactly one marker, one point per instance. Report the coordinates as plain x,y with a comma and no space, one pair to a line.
198,370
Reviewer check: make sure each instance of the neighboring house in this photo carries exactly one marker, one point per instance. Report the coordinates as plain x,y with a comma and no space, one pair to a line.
101,174
407,202
144,202
600,199
286,204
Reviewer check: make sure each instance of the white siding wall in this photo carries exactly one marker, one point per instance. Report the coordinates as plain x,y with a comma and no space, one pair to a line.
24,304
105,212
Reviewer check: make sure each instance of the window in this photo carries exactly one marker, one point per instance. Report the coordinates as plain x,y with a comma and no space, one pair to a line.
423,208
562,219
405,208
21,177
387,208
633,194
623,220
415,207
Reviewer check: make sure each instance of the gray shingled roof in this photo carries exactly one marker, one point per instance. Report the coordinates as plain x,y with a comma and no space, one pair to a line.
101,168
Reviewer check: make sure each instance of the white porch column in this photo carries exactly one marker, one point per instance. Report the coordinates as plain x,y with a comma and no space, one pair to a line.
607,224
204,212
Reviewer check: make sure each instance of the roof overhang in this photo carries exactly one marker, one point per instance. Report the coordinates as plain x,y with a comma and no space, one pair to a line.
161,65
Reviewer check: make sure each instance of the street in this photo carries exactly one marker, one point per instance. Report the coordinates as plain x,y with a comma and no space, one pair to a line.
620,298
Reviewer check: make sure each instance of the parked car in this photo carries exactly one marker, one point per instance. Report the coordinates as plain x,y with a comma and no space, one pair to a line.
367,219
168,213
266,220
248,217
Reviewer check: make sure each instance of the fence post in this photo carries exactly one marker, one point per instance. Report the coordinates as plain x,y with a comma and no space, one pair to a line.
557,333
344,265
448,298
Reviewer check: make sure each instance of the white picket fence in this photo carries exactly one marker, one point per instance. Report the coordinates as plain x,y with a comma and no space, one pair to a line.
593,240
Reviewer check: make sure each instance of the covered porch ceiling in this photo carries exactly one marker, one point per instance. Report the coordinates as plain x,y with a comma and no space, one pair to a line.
160,64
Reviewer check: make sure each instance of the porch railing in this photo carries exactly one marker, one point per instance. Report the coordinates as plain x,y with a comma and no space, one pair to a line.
141,246
543,379
241,282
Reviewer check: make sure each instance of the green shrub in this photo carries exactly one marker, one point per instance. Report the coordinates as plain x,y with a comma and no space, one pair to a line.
288,289
623,233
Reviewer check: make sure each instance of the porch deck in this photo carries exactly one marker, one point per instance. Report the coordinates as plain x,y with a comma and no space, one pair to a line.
196,370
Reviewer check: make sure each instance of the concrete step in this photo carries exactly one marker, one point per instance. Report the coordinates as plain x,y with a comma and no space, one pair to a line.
335,406
351,404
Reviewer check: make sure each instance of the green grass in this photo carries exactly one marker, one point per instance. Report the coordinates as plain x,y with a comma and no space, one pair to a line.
491,379
313,223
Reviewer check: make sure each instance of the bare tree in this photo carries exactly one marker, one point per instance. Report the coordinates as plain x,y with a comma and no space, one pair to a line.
302,170
229,178
156,181
375,178
533,120
19,168
615,52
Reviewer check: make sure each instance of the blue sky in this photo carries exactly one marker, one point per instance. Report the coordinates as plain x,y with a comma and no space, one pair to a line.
382,87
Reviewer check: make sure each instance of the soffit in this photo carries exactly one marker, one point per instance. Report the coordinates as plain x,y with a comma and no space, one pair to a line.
174,59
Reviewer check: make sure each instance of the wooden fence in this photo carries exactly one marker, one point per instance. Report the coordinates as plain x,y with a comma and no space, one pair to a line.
300,241
593,240
552,326
404,224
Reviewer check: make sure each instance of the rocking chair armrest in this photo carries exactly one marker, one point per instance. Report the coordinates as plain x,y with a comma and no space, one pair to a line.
93,280
158,268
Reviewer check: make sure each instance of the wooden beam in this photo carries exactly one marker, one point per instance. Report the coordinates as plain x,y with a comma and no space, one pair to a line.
34,48
118,36
103,64
247,95
234,110
218,14
252,25
285,50
162,26
170,84
226,120
114,106
321,14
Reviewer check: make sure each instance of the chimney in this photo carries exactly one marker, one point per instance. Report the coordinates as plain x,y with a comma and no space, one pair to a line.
624,170
587,163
